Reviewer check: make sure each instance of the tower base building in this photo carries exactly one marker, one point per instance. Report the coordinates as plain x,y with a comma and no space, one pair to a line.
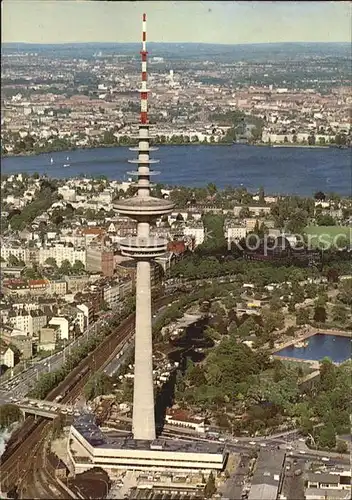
89,447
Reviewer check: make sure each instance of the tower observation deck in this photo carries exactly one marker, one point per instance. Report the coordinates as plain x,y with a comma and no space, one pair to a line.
143,208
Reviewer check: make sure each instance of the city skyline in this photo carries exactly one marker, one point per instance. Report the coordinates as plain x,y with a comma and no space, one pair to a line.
69,21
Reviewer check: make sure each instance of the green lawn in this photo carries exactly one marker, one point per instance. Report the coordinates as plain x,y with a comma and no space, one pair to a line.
328,234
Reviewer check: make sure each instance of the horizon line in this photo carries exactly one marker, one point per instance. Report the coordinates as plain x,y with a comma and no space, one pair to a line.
180,42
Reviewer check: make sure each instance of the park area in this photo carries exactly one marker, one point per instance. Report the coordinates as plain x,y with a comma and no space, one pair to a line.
327,236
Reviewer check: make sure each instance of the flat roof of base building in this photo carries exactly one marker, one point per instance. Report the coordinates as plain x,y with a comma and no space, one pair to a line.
85,425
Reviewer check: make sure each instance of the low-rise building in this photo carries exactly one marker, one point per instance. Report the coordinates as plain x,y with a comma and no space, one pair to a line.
334,485
38,287
15,287
250,223
12,272
181,418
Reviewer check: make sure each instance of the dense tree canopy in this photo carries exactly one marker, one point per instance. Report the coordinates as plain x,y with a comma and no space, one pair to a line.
9,414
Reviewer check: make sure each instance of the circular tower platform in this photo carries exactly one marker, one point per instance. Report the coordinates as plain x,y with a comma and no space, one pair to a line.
141,207
142,247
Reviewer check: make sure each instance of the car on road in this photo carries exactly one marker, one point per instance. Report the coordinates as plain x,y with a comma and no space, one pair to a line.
302,452
325,459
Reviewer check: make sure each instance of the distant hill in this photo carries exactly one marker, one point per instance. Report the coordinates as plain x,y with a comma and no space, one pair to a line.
201,51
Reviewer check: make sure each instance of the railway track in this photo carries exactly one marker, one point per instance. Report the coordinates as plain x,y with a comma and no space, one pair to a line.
17,465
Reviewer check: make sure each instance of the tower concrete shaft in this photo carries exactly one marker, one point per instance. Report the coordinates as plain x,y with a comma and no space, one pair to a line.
144,209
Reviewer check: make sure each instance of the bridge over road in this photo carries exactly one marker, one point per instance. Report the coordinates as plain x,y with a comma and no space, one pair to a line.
47,409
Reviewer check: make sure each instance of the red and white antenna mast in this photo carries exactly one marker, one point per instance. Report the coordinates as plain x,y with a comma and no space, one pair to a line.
144,148
144,91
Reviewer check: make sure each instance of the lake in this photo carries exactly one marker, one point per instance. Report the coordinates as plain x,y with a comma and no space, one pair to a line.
301,171
337,348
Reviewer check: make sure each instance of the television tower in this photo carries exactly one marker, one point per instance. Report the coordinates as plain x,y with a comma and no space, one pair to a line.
144,209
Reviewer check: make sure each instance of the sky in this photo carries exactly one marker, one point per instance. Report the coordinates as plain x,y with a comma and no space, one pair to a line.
226,22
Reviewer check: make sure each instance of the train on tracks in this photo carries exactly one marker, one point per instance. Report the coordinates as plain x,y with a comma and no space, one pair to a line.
77,378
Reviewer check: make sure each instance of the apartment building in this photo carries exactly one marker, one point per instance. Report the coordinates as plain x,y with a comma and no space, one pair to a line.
60,252
100,260
195,231
57,287
63,324
48,337
88,312
126,287
259,210
111,295
28,322
76,283
235,232
81,319
20,253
